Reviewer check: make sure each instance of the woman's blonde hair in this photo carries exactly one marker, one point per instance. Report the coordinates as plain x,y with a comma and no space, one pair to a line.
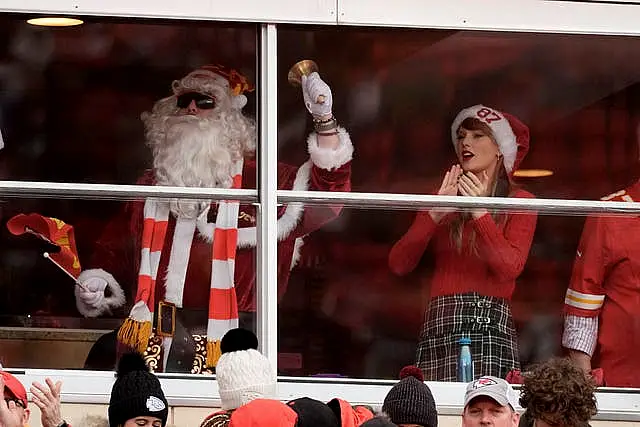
501,186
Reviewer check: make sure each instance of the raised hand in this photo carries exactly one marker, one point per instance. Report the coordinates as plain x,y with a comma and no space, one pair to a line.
471,186
317,95
449,187
48,400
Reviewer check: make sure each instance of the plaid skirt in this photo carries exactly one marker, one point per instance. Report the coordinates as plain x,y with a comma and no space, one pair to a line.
486,320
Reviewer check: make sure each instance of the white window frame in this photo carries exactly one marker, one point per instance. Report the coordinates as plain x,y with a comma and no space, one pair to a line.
488,15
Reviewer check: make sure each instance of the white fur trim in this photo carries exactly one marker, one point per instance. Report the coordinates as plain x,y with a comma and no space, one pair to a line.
500,126
329,158
297,249
106,304
239,101
286,223
178,260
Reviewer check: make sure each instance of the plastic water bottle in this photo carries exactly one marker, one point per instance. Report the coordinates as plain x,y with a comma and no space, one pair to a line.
465,362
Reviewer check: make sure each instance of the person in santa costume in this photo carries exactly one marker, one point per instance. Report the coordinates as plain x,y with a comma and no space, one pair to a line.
601,327
194,261
478,254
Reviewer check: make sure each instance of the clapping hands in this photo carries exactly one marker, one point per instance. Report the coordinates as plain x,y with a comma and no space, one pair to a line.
458,182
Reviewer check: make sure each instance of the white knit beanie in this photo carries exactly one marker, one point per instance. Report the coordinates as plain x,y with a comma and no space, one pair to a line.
243,376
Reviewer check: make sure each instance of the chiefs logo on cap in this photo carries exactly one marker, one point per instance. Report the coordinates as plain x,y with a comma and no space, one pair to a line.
483,382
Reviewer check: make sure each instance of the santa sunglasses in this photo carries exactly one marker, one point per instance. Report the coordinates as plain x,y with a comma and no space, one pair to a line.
203,102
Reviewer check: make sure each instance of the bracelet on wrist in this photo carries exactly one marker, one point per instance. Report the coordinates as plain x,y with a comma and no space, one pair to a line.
326,126
320,121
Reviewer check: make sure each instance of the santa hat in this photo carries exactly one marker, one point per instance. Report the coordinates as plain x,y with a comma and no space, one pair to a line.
511,135
242,372
205,77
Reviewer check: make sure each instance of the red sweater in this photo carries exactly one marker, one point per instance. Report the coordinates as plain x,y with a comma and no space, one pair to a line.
502,251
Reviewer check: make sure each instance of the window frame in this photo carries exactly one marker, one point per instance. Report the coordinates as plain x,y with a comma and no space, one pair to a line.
562,17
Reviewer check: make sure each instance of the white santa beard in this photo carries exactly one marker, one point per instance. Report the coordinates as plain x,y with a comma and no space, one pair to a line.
195,153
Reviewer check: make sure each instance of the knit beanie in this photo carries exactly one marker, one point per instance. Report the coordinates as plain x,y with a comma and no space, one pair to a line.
379,421
243,373
314,413
410,401
136,392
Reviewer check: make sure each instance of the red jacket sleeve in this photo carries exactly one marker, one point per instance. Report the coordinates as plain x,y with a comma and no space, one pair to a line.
505,251
407,251
315,216
586,294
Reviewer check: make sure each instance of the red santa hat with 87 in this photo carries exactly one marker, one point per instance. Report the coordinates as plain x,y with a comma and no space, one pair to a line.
511,135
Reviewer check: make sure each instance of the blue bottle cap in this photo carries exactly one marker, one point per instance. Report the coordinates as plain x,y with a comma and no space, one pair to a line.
465,341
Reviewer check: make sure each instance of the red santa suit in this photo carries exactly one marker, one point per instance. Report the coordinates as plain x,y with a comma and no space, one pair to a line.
603,300
294,222
173,256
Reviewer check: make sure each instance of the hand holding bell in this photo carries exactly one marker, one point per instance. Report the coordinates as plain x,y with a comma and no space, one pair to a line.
303,68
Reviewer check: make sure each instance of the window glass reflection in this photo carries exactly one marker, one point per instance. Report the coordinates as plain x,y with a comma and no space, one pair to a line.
72,97
364,320
397,92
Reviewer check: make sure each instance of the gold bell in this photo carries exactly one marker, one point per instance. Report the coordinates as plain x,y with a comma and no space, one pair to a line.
303,68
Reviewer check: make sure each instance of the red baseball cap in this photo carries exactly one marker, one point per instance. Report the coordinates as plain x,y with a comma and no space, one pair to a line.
14,386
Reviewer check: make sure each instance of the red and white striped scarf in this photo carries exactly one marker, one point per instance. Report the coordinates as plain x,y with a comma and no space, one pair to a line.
223,307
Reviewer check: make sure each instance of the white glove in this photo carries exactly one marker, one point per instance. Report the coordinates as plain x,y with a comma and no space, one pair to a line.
91,300
312,88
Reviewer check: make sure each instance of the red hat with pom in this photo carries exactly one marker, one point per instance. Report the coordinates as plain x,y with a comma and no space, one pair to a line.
410,401
511,135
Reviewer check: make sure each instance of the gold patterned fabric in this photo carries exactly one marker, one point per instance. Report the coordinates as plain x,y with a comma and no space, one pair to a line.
153,355
200,359
220,419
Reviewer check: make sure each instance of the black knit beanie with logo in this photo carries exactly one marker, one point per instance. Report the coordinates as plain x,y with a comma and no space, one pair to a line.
410,401
136,393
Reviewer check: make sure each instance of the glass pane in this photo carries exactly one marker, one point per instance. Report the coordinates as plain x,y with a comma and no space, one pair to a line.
378,289
64,311
74,102
398,92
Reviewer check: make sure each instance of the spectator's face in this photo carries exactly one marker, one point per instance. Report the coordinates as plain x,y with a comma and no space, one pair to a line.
24,413
486,412
143,422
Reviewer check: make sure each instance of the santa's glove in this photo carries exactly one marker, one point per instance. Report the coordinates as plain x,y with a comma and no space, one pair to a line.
317,95
97,292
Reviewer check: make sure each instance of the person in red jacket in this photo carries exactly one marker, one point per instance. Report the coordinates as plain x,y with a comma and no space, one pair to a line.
602,328
478,254
197,290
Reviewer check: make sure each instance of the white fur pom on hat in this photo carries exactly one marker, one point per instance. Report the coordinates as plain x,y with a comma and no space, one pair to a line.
243,376
511,135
